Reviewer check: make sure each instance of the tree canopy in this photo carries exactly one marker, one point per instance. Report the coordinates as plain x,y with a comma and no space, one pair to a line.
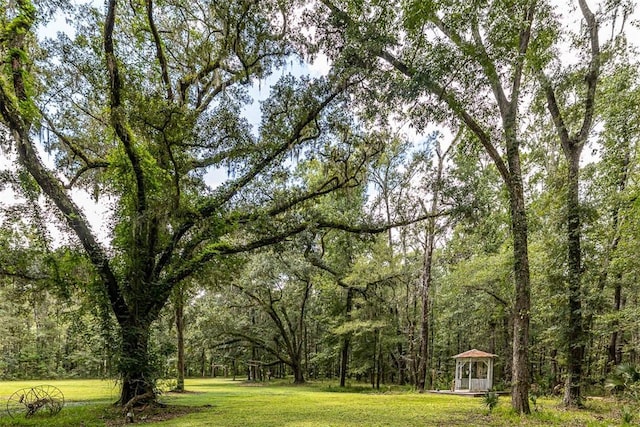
308,231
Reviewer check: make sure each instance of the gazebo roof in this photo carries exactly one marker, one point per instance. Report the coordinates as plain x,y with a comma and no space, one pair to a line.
474,354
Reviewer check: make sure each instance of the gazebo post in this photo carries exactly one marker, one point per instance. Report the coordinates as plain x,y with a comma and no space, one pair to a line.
490,374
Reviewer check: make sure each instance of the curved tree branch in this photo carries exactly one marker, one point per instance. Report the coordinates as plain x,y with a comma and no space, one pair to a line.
118,119
592,75
159,51
46,180
437,90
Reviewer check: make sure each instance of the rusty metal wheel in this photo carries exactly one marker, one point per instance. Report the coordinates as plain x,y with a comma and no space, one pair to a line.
29,401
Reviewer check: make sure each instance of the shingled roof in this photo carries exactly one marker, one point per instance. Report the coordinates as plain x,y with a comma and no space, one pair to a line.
473,354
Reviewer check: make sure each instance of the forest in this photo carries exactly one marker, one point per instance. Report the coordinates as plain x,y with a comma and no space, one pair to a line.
345,190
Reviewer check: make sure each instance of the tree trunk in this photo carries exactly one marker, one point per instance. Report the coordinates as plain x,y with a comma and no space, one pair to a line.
180,335
344,352
572,148
575,332
253,368
555,372
520,365
372,371
135,367
298,374
306,347
379,370
424,320
411,336
612,356
203,362
401,364
426,267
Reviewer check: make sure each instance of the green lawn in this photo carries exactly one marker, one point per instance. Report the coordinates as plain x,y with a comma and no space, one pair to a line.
234,403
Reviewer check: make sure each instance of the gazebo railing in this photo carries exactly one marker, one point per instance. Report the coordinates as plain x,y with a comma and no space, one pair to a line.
476,384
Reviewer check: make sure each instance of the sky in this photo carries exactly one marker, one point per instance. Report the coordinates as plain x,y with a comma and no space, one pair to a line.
98,213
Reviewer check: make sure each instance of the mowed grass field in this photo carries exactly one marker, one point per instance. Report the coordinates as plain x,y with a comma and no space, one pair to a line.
222,402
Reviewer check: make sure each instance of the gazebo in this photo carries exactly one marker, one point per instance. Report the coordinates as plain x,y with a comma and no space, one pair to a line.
474,371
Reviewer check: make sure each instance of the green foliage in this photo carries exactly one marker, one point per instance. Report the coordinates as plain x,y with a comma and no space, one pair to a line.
490,400
533,398
625,381
627,415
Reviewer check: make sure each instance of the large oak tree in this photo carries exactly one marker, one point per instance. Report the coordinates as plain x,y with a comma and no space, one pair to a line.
137,106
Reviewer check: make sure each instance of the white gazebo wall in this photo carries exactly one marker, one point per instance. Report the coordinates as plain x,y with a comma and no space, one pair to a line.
467,380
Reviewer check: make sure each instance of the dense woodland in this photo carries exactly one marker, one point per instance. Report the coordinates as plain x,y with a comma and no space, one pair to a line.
463,175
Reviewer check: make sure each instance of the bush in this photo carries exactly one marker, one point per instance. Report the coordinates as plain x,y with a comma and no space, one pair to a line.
625,382
490,400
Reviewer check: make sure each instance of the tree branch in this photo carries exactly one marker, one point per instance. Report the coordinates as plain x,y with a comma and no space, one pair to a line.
437,90
375,228
498,298
525,37
592,75
263,345
144,245
159,51
226,193
52,187
489,69
83,169
554,111
25,276
118,119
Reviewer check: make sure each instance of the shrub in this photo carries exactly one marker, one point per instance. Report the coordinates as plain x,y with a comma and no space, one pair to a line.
490,400
625,381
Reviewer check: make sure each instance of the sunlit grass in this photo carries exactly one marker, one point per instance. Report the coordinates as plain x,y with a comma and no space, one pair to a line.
229,403
87,402
73,390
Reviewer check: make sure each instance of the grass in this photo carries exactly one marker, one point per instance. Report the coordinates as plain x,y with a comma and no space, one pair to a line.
227,403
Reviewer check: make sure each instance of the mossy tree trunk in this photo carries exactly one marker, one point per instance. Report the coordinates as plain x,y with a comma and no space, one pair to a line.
135,366
179,313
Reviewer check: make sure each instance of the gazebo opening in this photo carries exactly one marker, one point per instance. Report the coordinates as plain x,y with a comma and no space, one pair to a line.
474,371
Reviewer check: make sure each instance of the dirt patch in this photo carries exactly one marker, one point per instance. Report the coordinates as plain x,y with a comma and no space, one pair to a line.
150,413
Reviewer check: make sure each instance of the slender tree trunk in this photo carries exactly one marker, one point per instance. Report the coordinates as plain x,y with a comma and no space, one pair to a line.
233,368
612,359
203,362
372,371
346,340
306,347
426,267
379,370
180,335
411,335
520,366
424,320
575,331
